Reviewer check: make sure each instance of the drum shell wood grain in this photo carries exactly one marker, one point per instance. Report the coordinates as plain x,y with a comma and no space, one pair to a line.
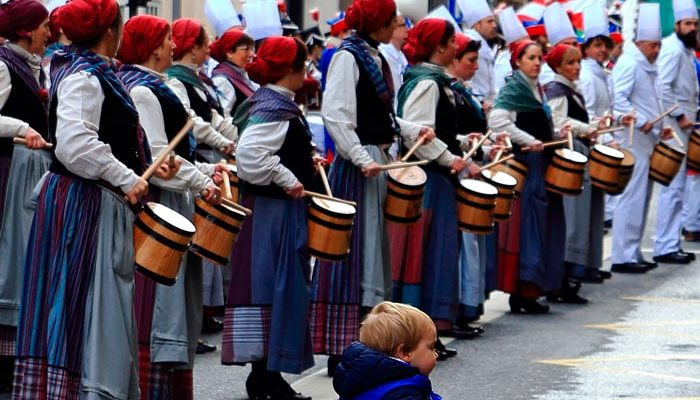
504,199
517,169
404,201
624,173
475,211
694,152
159,247
664,164
565,176
217,229
604,170
329,232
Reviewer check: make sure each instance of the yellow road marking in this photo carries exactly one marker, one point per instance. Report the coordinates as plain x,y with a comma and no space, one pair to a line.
666,300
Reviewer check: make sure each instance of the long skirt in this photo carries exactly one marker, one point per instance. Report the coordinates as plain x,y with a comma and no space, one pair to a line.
267,310
213,285
28,166
472,279
76,330
5,163
339,289
406,249
169,318
532,242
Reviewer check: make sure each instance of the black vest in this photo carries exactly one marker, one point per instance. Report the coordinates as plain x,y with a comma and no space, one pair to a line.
296,154
375,122
574,110
446,129
118,128
469,119
26,105
537,124
200,106
174,118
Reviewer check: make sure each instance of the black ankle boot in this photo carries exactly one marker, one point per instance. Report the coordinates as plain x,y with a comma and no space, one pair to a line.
333,362
444,352
281,389
520,305
257,384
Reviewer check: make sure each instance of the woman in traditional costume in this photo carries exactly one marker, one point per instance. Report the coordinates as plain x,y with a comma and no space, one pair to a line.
531,242
267,311
234,50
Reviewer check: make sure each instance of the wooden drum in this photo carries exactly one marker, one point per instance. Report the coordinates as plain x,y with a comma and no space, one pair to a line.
605,167
624,173
665,163
565,173
161,237
517,169
505,183
404,200
329,225
694,151
476,201
217,229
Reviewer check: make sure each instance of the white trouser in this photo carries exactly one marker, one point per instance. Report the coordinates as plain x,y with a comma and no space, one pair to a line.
669,215
610,204
691,206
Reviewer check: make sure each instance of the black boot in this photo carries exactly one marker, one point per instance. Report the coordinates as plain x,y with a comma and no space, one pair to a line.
444,352
520,305
7,368
257,385
333,362
281,389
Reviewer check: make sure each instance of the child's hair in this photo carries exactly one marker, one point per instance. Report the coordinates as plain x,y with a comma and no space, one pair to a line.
389,325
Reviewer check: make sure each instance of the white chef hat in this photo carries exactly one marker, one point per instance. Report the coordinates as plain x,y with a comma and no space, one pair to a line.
474,11
557,24
649,22
262,18
443,13
595,21
684,9
513,29
221,15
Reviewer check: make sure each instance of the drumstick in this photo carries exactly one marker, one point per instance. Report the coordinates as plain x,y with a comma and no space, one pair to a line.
324,197
548,144
324,178
413,149
171,160
165,153
631,138
499,153
494,163
23,141
570,139
399,165
615,129
509,144
226,182
678,140
662,116
474,148
232,204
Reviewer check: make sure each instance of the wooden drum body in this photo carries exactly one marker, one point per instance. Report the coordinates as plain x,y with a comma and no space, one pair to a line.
665,163
161,237
624,173
329,225
217,229
694,151
404,200
565,173
476,201
516,169
505,183
605,167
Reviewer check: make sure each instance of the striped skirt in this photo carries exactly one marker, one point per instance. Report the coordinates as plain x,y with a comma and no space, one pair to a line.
28,166
267,309
339,289
406,246
76,333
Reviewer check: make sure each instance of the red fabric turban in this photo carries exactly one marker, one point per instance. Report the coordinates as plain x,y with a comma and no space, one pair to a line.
462,41
185,34
517,48
19,17
87,20
370,15
225,43
142,35
273,59
424,39
556,55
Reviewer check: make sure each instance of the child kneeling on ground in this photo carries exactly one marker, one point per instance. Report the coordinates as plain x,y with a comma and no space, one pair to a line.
393,358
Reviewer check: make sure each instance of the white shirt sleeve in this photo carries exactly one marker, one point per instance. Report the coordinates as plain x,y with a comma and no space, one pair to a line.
78,147
669,68
9,127
501,120
624,79
228,94
256,159
587,88
188,177
224,125
560,116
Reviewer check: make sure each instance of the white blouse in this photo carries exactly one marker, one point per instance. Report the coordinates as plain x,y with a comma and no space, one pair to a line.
9,126
228,92
501,120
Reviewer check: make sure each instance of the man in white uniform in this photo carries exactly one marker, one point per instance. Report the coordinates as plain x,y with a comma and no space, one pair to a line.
393,54
513,30
559,30
481,22
635,88
678,85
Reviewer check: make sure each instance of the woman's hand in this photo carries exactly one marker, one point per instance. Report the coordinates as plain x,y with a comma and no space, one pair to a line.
458,165
536,145
320,160
168,169
473,170
371,170
212,195
628,119
296,191
667,133
34,140
428,134
139,190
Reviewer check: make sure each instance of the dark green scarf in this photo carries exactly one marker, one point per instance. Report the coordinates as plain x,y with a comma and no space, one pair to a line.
517,96
416,74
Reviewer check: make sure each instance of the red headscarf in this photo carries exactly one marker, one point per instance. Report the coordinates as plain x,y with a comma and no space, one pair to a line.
54,27
517,48
556,55
424,39
462,41
273,59
185,34
19,17
142,35
370,15
225,43
87,20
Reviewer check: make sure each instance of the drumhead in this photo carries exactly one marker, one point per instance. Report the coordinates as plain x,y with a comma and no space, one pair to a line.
609,151
672,148
500,177
572,155
172,217
479,187
334,206
411,176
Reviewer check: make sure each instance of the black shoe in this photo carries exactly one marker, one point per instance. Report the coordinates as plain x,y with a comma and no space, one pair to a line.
674,258
257,387
567,297
444,352
212,325
691,255
607,224
204,347
279,389
604,274
592,276
629,268
332,364
461,331
648,264
519,305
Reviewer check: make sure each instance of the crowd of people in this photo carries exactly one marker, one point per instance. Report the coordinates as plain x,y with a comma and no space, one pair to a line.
93,110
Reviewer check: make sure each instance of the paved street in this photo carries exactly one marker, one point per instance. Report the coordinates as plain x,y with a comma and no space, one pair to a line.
639,338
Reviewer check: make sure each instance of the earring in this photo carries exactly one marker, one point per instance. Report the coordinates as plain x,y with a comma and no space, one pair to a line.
441,50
